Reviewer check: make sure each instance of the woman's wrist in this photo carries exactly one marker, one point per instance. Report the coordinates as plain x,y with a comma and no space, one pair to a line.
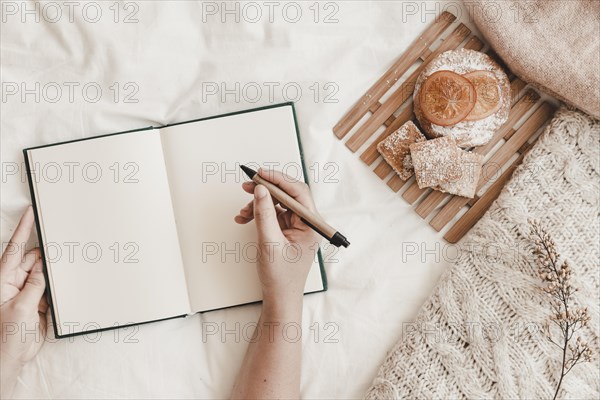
284,306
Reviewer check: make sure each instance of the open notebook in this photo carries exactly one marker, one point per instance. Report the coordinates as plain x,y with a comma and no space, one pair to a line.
138,226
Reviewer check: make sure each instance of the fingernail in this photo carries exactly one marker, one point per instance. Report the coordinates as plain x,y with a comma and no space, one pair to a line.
260,191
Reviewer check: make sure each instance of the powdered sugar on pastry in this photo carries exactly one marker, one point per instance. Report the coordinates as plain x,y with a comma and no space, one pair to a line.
466,133
435,161
395,149
442,165
466,184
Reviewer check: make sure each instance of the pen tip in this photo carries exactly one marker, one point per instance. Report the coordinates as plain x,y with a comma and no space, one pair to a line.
339,240
248,171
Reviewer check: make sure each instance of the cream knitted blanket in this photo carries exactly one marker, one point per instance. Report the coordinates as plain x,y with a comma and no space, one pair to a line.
479,334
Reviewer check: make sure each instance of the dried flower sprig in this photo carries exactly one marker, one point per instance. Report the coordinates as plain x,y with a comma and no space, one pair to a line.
565,314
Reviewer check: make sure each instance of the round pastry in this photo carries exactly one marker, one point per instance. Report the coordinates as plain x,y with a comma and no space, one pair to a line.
463,94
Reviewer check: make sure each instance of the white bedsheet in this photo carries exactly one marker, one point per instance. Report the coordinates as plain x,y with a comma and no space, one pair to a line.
172,61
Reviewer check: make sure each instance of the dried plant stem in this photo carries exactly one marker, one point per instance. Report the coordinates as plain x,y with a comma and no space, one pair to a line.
566,336
563,362
568,318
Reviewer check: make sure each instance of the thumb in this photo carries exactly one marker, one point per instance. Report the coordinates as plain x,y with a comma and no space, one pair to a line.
266,216
34,287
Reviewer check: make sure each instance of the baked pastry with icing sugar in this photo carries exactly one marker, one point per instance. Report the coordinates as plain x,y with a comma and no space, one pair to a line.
441,165
395,149
477,128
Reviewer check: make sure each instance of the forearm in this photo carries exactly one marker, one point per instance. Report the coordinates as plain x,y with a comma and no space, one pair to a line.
10,369
271,367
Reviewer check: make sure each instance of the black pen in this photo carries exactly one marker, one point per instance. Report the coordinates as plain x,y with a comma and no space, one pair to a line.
308,217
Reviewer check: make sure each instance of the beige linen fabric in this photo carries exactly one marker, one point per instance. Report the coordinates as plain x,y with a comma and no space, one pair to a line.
555,45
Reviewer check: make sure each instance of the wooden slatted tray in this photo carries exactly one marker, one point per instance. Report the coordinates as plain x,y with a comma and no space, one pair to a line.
370,114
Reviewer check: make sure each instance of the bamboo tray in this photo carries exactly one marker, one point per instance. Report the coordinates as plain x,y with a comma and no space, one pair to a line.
514,138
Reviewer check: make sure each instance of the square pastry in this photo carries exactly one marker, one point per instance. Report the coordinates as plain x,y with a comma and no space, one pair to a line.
435,161
466,184
395,149
442,165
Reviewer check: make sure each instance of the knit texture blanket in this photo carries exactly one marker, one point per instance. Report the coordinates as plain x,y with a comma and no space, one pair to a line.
480,333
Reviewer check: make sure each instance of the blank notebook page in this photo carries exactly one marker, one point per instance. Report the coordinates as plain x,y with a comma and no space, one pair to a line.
111,243
203,161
